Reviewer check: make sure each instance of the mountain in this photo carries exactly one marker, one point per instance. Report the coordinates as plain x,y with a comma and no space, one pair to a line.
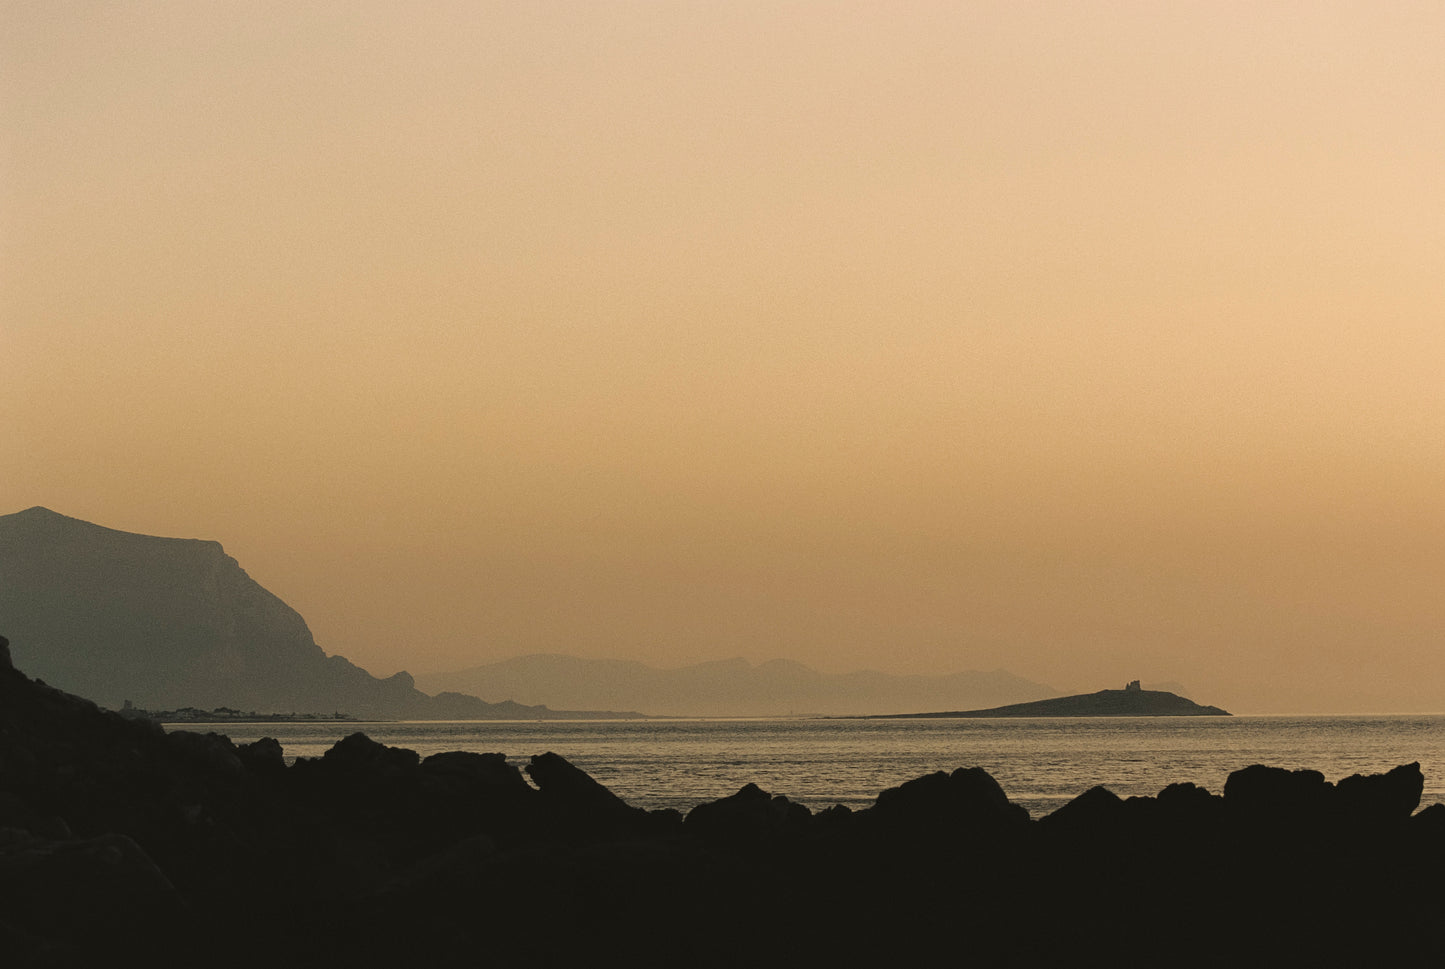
732,687
1128,702
175,622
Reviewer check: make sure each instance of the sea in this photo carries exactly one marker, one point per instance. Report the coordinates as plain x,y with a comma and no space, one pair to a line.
1041,763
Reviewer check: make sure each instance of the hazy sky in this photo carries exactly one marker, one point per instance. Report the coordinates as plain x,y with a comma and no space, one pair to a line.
1094,341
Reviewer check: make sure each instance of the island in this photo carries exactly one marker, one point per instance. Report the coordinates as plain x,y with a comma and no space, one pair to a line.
1132,701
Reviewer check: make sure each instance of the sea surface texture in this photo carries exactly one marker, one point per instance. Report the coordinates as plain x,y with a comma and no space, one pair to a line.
1041,763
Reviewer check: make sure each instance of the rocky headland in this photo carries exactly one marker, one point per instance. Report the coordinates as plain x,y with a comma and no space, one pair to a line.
165,623
122,843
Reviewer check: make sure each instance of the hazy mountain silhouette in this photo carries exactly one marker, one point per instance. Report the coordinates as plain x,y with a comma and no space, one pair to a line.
732,687
173,622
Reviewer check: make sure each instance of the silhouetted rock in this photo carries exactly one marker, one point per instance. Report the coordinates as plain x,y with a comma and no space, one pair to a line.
1430,824
752,814
1259,792
576,804
1186,805
357,752
1382,797
118,840
208,752
562,783
263,756
1097,809
476,772
968,798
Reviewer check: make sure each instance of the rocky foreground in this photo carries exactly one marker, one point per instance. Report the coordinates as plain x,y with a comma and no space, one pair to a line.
120,842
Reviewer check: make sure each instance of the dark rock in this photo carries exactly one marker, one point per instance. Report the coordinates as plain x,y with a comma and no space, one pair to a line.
454,868
208,751
1431,823
118,838
969,797
1187,797
1275,793
577,804
357,753
750,814
563,784
100,883
462,793
466,770
1096,809
1186,805
1381,797
263,756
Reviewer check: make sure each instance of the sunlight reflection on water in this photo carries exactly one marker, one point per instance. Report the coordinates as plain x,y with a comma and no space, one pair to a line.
1041,763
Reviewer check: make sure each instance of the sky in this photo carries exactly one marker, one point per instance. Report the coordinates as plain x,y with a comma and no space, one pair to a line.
1093,341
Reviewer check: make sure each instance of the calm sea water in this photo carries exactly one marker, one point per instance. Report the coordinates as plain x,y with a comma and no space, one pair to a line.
1041,763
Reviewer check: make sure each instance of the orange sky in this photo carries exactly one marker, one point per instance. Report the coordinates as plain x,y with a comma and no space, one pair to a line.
1090,340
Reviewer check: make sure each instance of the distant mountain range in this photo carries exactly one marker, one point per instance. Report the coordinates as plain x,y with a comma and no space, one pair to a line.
732,687
172,622
167,623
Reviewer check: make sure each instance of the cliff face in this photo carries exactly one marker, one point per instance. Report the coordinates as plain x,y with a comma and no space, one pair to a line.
112,615
171,622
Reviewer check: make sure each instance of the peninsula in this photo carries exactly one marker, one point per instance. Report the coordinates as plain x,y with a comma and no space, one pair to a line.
167,624
1132,701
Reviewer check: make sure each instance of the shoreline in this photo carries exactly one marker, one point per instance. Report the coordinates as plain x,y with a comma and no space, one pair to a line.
117,836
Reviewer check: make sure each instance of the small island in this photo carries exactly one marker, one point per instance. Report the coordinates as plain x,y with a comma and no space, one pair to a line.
1132,701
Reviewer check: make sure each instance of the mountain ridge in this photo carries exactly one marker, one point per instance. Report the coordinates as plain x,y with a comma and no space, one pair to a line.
171,622
728,687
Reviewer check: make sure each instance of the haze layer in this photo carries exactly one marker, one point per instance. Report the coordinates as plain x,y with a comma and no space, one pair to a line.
1095,341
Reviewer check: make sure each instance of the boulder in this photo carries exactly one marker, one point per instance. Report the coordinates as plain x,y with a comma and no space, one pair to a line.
1392,796
967,798
562,783
1258,793
262,756
358,753
751,814
210,752
461,770
1097,810
1429,824
578,804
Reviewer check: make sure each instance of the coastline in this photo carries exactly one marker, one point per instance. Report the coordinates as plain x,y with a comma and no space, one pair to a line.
122,837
